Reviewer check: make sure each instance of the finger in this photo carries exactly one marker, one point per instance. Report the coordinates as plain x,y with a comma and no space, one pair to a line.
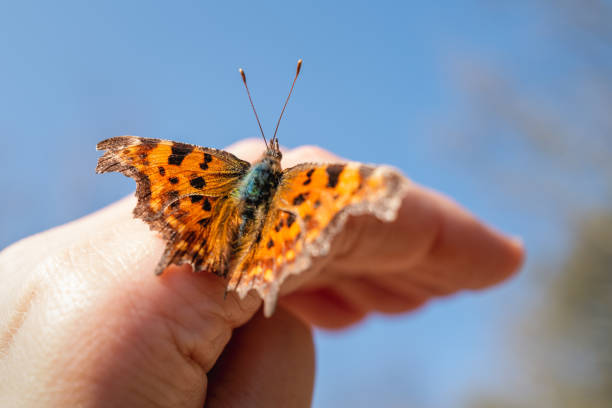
268,363
429,228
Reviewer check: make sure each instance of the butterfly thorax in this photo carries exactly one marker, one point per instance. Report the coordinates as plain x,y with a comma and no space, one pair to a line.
258,187
261,181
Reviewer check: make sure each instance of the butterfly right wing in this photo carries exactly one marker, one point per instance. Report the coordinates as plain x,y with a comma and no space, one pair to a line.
310,206
184,192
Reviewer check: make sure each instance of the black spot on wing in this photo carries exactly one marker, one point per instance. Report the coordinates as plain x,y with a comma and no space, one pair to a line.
206,205
280,225
179,151
173,180
308,175
333,174
197,182
204,222
270,244
207,159
300,198
162,171
290,219
147,145
196,198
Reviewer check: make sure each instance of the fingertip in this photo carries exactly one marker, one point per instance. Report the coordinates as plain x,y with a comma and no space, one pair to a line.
518,247
515,258
518,252
502,259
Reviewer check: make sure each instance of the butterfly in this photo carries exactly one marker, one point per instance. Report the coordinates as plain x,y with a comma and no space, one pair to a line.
253,224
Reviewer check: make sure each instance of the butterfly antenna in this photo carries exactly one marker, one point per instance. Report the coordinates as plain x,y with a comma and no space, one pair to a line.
297,72
253,106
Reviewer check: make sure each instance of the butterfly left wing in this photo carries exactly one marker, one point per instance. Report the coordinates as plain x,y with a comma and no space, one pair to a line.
184,192
310,206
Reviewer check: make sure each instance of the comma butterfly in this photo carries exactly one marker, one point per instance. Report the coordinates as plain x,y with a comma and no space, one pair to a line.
252,224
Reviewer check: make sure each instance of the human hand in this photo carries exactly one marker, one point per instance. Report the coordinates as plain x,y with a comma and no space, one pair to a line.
83,321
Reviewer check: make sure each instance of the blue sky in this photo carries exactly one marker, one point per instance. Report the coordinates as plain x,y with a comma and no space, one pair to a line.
378,84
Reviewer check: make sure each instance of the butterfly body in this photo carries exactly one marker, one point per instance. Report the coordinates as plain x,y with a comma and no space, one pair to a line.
260,183
255,224
255,193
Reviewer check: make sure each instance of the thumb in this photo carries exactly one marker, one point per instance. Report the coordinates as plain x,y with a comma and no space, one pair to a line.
267,363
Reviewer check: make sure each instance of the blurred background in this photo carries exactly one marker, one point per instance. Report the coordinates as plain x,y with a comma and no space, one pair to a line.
505,106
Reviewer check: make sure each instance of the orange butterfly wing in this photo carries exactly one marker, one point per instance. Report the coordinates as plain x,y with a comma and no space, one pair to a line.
310,206
184,192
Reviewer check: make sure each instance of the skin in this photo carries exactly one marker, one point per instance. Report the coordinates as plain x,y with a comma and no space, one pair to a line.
84,322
